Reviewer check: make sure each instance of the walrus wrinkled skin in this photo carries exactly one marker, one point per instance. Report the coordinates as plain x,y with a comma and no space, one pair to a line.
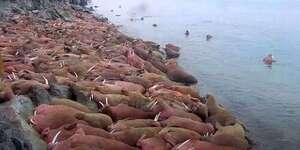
132,135
111,99
154,143
200,145
200,127
24,86
70,103
175,73
80,139
172,51
134,123
96,120
123,111
174,135
138,80
166,111
66,131
218,114
228,140
53,116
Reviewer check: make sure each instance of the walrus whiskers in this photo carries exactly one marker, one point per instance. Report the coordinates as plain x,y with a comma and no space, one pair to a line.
183,143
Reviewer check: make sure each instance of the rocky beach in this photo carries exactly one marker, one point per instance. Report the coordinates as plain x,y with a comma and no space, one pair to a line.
71,80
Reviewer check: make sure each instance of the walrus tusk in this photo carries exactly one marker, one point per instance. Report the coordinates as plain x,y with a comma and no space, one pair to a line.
97,78
92,97
9,77
34,113
150,104
157,116
153,105
93,67
55,137
61,64
106,101
75,74
17,53
183,143
14,76
185,106
103,82
112,131
32,122
101,104
46,80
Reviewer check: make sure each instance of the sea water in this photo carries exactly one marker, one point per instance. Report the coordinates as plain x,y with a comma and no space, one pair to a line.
229,66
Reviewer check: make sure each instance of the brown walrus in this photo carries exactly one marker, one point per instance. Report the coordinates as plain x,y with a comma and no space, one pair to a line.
175,73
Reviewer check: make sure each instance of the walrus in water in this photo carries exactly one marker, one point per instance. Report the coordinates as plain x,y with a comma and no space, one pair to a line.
269,59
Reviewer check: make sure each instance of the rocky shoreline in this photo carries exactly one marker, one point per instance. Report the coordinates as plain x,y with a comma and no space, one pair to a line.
71,80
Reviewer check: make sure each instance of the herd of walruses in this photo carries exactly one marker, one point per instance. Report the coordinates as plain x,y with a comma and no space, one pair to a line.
116,92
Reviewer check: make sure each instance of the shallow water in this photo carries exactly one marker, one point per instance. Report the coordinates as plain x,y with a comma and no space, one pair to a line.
229,65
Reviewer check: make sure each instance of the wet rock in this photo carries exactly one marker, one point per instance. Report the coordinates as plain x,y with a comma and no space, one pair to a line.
39,95
23,106
61,91
12,138
17,133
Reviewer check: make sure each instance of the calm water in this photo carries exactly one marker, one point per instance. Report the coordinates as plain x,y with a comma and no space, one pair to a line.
229,66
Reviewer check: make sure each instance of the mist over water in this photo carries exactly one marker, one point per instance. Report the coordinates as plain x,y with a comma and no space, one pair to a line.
230,64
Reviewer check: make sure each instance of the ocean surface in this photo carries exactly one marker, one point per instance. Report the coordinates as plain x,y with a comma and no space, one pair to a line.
230,65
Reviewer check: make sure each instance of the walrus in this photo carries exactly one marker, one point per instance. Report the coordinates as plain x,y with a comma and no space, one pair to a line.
123,111
174,135
154,143
175,73
24,86
167,111
200,127
135,134
172,51
53,116
138,80
235,130
228,140
218,114
192,144
109,99
137,100
97,120
64,132
134,123
80,139
70,103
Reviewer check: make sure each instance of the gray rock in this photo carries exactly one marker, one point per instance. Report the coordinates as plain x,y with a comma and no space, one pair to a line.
12,138
39,95
19,135
22,105
61,91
